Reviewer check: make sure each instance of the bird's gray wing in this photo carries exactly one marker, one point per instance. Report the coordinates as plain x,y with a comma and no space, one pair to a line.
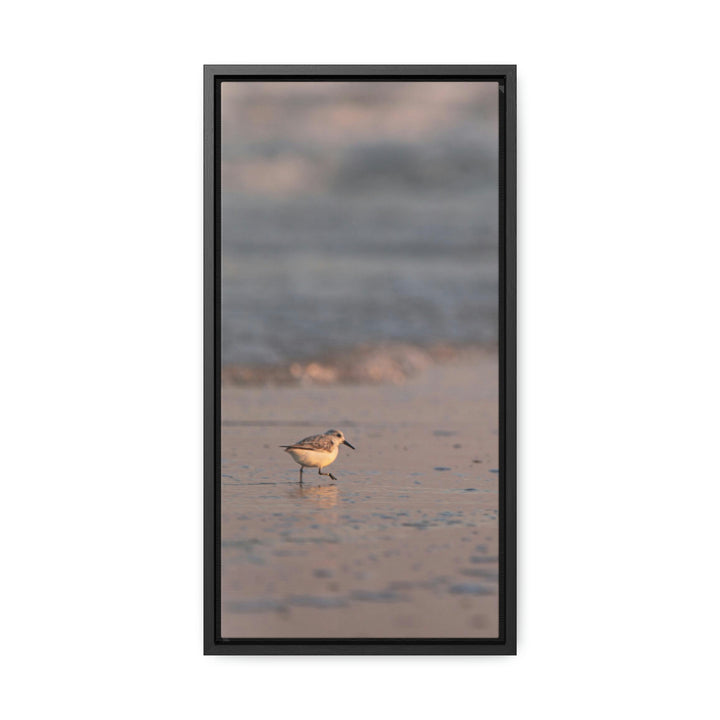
313,442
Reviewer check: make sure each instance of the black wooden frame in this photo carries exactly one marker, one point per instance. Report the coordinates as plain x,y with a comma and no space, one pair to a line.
505,75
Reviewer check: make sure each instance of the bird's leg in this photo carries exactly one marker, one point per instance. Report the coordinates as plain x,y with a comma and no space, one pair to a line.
301,469
332,477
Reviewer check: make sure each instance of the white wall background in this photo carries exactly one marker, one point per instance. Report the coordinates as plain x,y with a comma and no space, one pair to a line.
101,293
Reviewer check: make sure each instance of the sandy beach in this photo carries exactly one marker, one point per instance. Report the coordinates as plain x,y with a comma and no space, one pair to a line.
403,544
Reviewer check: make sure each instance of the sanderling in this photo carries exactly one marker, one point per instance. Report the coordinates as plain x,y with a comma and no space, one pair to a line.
317,451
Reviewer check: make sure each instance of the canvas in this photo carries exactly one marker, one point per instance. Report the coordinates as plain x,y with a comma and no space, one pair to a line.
360,359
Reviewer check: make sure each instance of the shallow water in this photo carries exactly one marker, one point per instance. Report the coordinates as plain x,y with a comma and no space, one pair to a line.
304,560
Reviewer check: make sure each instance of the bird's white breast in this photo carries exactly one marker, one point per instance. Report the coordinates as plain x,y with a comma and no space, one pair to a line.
313,458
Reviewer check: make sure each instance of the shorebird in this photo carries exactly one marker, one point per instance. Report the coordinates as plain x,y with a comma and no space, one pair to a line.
317,451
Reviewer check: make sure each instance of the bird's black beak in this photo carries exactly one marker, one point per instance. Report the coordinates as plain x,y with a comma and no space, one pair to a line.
345,442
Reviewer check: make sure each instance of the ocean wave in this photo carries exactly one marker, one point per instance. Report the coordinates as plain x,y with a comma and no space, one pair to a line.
365,364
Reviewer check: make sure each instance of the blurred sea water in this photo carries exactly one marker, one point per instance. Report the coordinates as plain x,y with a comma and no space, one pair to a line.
362,233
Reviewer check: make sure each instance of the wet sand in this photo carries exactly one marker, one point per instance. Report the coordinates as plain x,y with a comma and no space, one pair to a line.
403,544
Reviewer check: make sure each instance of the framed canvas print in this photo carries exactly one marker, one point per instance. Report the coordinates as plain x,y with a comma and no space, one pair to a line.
360,350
